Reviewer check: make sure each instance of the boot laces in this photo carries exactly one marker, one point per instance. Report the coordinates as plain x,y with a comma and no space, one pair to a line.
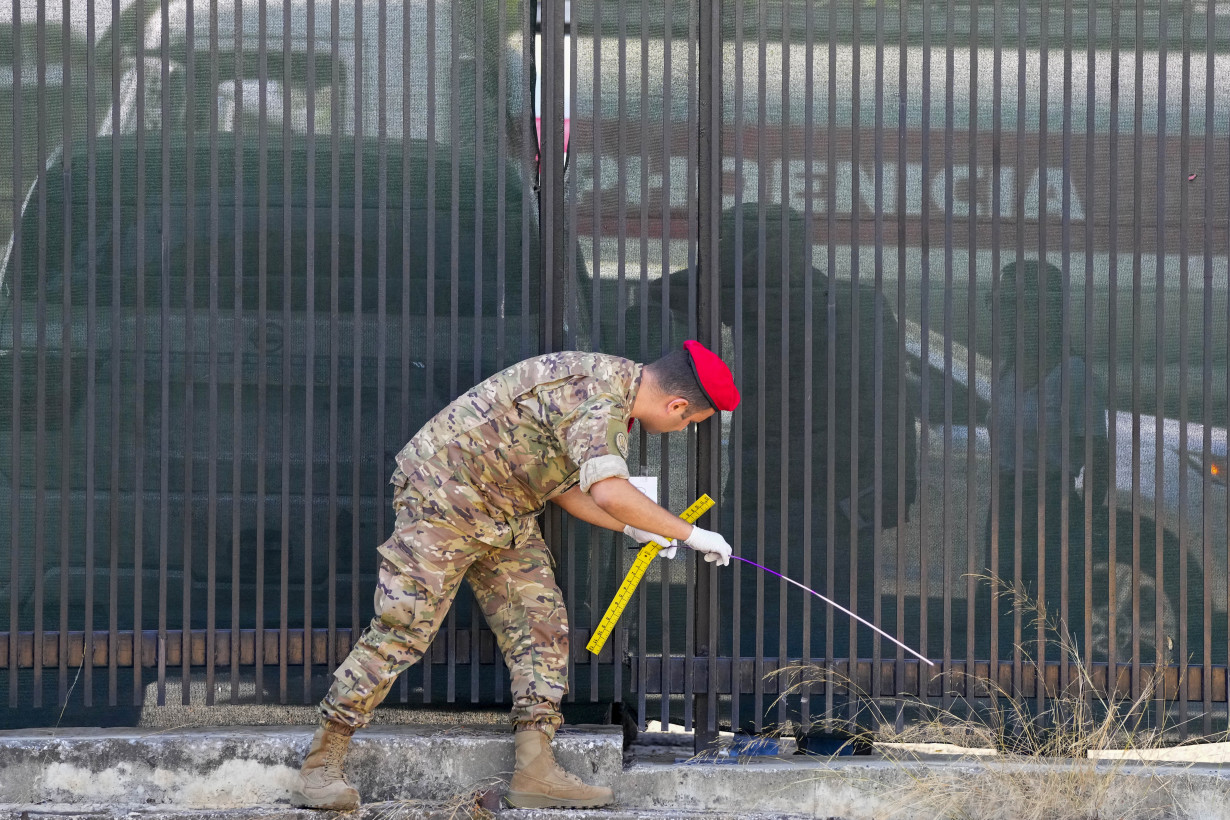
559,771
563,774
335,756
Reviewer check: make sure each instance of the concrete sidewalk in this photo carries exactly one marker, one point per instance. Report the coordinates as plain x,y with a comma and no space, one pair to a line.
437,772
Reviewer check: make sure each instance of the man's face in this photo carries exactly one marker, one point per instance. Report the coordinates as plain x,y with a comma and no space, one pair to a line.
673,417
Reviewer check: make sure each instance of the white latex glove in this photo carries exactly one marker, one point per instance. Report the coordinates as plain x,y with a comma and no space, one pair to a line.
712,544
645,536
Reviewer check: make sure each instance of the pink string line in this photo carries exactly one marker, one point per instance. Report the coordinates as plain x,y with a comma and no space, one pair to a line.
835,604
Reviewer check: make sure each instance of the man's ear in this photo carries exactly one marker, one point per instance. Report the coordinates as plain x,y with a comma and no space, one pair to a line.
678,404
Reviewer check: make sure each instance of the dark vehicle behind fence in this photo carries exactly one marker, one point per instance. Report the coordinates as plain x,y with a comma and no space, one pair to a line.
222,315
258,319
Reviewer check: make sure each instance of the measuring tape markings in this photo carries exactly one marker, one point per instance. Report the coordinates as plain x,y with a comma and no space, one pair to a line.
635,573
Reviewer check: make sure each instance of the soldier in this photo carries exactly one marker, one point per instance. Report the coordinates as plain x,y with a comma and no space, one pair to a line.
468,489
1033,478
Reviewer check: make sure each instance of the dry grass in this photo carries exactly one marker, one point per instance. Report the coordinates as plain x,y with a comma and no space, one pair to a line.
1041,769
469,805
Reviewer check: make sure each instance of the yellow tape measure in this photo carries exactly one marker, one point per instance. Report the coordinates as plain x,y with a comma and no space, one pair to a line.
616,608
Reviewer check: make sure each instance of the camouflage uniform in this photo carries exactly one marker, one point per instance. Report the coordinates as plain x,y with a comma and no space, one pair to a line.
469,486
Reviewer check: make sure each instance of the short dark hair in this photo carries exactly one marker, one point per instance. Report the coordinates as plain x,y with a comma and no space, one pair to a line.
1041,284
676,377
1040,305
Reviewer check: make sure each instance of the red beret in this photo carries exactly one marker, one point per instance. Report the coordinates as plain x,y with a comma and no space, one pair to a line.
714,376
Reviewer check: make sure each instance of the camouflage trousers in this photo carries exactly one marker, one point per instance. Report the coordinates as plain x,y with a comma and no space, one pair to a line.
516,590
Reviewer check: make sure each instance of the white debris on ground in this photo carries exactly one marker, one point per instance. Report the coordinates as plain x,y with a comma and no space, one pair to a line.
1193,753
934,749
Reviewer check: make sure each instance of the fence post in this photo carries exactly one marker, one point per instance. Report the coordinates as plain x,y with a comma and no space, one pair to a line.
708,459
551,174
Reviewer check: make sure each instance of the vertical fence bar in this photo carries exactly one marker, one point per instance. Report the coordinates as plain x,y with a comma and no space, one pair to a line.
621,202
1226,508
1017,364
973,565
758,241
1137,331
335,118
572,263
695,174
854,352
1206,388
309,342
113,299
736,119
1087,411
215,264
762,355
1159,373
708,437
592,589
949,331
529,204
91,355
784,399
410,398
551,157
454,272
618,641
137,395
995,435
240,276
262,336
781,400
903,123
189,381
285,376
1112,327
665,124
1044,508
880,357
1068,470
708,460
16,340
40,352
809,332
924,312
595,91
830,371
479,45
358,273
641,330
65,342
164,358
664,317
501,184
1184,657
429,376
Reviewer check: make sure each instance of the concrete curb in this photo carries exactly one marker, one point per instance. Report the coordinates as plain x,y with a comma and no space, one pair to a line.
245,767
411,810
430,773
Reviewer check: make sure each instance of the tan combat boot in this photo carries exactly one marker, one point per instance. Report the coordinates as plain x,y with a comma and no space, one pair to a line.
539,783
322,783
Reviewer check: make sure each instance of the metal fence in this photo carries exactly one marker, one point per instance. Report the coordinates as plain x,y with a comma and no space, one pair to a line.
968,260
263,243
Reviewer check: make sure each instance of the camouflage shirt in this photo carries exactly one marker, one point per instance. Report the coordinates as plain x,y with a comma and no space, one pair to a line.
488,462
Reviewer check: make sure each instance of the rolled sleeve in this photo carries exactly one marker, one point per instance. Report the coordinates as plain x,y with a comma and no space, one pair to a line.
600,468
